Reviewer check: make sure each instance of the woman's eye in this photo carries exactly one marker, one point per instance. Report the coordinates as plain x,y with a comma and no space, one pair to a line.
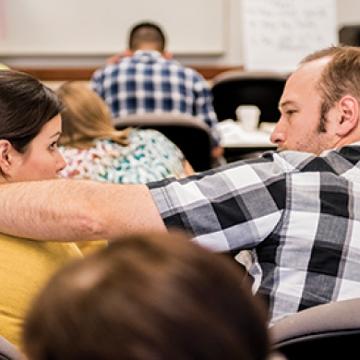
53,145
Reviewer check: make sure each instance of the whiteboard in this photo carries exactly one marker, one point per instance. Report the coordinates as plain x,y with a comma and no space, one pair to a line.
95,27
279,33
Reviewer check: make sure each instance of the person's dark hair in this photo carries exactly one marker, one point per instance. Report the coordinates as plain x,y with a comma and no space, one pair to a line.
341,76
144,33
148,297
26,105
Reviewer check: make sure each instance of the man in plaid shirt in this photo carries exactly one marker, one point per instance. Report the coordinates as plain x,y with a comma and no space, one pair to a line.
146,80
298,209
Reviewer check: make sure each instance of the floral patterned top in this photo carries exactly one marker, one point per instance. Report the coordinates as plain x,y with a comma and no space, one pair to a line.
150,156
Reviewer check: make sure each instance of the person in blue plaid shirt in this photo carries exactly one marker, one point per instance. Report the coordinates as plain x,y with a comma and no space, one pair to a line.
145,79
297,209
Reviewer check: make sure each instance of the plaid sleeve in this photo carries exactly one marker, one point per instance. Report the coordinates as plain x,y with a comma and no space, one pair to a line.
96,82
232,208
203,106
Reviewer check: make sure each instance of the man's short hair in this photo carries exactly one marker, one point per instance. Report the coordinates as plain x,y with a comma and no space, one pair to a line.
146,32
340,77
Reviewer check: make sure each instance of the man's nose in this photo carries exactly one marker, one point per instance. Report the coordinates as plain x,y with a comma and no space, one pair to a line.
278,135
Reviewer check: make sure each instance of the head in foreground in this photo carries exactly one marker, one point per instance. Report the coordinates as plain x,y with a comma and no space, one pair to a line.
157,296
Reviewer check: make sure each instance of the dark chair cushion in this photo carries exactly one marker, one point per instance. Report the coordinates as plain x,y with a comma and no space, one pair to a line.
190,134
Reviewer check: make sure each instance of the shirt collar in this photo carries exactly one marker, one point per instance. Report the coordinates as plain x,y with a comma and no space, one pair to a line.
147,54
327,151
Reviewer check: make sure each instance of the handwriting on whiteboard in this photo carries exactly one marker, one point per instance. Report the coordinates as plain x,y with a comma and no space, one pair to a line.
278,33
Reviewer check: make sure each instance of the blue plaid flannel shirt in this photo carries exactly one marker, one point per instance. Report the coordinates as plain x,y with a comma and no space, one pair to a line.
147,82
298,213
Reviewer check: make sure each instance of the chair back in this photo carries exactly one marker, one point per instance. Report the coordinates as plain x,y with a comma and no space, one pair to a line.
350,35
8,351
189,133
233,88
330,330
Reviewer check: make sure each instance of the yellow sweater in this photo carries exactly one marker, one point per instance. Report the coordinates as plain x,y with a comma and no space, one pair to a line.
25,267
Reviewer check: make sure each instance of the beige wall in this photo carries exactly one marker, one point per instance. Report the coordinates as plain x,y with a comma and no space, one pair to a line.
348,13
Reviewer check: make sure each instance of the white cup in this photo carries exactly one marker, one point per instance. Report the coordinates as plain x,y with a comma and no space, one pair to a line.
248,116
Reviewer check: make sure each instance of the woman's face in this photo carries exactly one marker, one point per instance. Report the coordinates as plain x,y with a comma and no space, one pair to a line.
41,159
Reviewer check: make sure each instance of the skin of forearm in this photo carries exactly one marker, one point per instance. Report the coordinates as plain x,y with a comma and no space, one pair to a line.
188,168
70,210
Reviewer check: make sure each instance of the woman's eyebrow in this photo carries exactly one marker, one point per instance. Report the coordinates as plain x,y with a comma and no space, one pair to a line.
58,133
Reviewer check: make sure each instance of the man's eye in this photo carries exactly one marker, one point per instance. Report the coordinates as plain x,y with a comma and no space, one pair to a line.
290,112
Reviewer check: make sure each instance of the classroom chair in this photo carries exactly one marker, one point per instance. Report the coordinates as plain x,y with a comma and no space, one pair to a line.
233,88
189,133
8,351
327,331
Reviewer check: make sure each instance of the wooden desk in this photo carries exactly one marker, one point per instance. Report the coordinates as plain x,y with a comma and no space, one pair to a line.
85,73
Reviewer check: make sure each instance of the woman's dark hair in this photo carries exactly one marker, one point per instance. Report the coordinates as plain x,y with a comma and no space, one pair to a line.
26,105
156,296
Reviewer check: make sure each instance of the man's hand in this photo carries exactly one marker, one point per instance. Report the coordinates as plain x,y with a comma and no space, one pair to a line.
117,57
217,152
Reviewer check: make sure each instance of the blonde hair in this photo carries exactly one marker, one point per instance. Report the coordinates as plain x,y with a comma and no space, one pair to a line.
86,117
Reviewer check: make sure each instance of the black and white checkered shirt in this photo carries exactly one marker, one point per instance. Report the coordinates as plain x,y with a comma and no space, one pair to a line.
298,212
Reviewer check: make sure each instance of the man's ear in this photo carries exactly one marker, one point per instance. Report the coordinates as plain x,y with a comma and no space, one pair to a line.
5,156
348,115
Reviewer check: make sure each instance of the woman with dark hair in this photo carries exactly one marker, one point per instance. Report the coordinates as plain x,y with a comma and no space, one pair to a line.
155,296
30,127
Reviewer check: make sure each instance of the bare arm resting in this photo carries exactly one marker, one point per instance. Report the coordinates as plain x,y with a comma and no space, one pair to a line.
71,210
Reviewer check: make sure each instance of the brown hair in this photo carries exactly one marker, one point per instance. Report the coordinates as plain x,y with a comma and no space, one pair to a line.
144,33
341,76
148,297
86,117
26,105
